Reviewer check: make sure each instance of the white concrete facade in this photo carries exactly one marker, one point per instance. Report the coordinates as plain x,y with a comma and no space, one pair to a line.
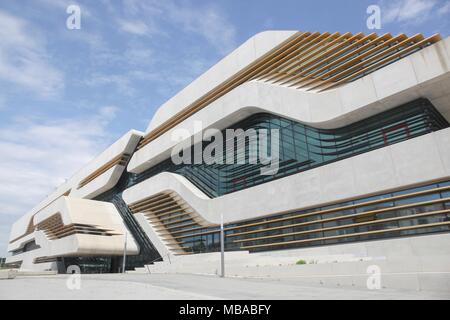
424,74
417,161
358,176
72,202
74,211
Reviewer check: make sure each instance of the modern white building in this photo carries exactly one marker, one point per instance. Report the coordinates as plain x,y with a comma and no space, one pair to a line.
360,124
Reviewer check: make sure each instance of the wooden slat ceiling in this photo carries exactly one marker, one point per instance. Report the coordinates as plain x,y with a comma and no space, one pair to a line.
54,220
120,160
167,211
288,222
311,61
350,235
327,211
54,228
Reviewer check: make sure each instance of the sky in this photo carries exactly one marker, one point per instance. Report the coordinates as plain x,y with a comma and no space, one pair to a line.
65,95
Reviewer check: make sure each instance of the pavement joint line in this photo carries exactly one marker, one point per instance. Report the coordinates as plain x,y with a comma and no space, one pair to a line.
369,274
176,286
303,276
146,284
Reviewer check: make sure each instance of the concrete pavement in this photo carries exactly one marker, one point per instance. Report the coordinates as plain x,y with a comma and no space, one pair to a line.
188,287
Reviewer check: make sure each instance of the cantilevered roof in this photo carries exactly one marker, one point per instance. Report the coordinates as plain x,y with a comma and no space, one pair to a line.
310,61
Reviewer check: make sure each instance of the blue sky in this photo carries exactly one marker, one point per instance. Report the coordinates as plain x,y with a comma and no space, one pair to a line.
65,94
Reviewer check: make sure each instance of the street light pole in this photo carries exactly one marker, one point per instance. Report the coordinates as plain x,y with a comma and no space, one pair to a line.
222,248
124,260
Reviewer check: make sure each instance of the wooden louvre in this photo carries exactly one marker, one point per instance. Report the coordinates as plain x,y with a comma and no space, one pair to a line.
344,226
166,212
120,160
30,230
350,235
54,228
310,61
170,233
45,260
277,218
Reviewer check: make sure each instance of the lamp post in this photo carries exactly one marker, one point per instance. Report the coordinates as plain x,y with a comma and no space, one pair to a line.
222,248
124,260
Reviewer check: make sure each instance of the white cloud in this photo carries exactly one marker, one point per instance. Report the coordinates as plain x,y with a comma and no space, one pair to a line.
58,4
38,155
24,60
107,114
445,9
5,228
121,81
134,27
407,11
138,56
136,62
62,5
2,102
209,21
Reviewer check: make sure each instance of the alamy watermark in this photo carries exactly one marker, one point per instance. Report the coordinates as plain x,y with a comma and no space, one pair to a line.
232,146
73,282
374,279
73,21
374,20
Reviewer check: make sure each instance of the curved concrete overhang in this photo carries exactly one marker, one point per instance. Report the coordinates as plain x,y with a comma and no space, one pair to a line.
102,183
105,180
423,74
82,212
251,50
381,170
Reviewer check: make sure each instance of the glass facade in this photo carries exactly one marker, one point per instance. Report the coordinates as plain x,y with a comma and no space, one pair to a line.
147,252
416,211
90,265
29,246
303,147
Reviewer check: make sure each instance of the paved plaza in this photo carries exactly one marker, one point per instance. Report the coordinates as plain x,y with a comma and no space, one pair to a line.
187,287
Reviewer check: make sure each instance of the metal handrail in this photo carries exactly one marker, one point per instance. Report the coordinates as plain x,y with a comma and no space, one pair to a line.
160,258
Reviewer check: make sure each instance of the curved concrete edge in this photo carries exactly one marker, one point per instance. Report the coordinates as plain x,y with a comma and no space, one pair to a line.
408,79
26,260
251,50
159,245
126,144
104,182
378,171
426,64
101,184
16,245
170,182
77,211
